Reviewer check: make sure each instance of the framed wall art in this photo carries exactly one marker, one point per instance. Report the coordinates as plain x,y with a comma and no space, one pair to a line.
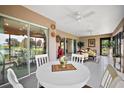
91,42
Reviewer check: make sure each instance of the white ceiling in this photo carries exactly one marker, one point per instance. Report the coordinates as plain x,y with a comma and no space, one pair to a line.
104,19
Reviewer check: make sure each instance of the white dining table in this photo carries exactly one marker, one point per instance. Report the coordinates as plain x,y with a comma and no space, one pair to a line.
63,79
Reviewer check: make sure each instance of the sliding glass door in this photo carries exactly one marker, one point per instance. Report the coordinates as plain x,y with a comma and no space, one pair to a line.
19,43
13,49
37,44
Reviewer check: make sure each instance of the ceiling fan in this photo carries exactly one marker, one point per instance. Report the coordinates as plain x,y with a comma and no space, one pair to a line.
78,16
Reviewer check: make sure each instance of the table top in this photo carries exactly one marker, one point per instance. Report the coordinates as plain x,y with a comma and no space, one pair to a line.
63,79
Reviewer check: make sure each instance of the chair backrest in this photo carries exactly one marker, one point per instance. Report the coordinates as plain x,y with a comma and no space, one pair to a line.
86,56
97,59
109,75
41,59
77,58
13,79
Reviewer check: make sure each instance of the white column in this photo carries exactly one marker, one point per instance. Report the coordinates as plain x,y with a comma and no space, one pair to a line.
52,48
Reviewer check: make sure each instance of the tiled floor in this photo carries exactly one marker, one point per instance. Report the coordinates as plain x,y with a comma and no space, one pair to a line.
96,70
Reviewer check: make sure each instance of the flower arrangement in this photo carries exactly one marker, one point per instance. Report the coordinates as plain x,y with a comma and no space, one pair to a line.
63,61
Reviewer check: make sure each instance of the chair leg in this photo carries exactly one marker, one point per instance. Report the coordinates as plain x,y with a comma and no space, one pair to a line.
86,86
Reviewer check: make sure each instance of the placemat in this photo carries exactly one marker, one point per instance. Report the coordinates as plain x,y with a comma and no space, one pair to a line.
58,67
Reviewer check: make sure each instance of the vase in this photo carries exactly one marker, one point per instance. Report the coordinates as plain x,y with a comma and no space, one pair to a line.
63,64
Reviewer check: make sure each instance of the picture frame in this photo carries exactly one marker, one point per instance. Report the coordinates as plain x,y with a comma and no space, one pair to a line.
91,42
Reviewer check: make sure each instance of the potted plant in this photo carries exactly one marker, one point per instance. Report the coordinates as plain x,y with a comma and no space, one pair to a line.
80,45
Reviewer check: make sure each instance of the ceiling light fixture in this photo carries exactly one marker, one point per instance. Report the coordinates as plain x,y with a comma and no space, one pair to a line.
78,16
79,20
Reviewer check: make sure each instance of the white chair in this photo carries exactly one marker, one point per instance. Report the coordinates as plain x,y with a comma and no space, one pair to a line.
109,76
41,59
77,58
86,56
13,79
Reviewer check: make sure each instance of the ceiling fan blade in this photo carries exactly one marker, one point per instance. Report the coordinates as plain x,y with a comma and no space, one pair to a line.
70,19
88,14
71,16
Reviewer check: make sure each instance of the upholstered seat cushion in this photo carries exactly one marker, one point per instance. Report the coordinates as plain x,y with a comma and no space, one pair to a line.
120,84
18,86
86,55
91,53
117,83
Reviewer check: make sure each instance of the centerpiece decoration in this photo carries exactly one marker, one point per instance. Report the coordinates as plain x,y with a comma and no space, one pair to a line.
63,61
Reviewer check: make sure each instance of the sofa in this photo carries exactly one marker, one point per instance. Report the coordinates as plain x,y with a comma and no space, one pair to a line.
88,53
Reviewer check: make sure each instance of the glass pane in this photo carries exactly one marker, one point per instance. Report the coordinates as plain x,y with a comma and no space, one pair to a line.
37,44
69,47
14,46
2,49
105,50
62,43
75,44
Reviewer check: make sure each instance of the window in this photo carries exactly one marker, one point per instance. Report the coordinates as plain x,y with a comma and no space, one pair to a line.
117,47
117,51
